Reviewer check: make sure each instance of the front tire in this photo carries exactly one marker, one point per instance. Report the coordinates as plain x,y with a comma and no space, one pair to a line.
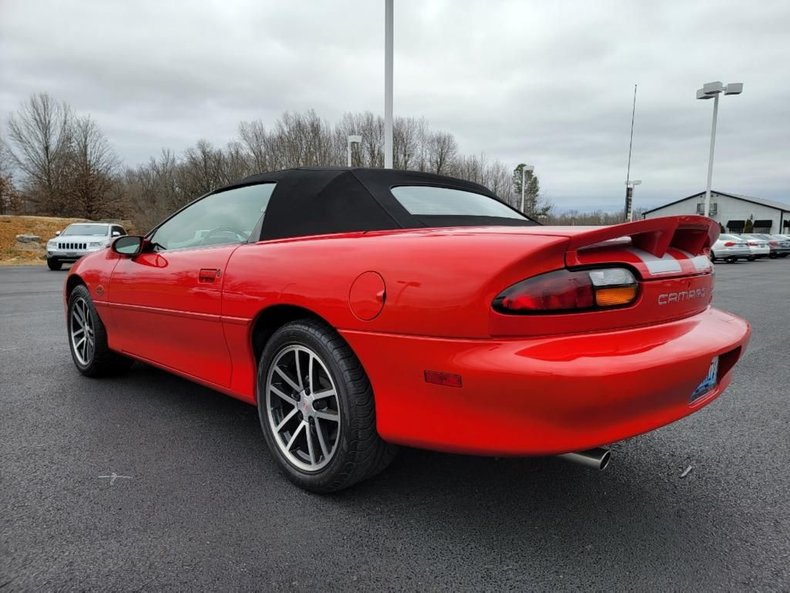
316,409
88,338
54,264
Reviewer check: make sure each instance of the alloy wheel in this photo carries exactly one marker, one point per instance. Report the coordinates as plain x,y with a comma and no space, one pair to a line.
82,331
303,408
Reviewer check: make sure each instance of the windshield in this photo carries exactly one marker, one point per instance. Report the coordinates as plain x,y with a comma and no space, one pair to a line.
444,201
86,229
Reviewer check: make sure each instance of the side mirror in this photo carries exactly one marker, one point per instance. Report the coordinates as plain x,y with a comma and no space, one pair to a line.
57,233
128,245
116,234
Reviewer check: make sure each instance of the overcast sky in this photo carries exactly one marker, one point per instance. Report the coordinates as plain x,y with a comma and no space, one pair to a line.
547,83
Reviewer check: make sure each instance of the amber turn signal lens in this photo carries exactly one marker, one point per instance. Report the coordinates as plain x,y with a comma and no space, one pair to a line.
610,297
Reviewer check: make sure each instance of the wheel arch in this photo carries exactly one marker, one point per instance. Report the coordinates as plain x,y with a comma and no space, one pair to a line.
72,282
270,319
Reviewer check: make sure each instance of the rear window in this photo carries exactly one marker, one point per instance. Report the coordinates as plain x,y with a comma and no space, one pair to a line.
424,200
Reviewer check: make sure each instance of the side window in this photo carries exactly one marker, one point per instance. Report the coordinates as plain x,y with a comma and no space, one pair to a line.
117,229
219,219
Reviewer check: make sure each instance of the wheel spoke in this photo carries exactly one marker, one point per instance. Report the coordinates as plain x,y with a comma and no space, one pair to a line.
321,441
294,435
334,417
310,365
310,446
325,393
282,395
77,315
80,342
298,371
287,379
286,419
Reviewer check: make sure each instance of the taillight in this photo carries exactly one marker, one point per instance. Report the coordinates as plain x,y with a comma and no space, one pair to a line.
566,290
729,244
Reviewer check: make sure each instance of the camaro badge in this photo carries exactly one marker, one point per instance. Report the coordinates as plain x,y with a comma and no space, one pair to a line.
666,298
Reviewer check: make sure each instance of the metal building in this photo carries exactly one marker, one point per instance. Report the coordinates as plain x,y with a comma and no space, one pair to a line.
732,211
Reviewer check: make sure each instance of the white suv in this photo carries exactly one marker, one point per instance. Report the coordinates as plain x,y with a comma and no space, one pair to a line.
79,239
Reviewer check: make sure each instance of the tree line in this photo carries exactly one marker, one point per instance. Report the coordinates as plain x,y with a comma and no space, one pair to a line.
56,162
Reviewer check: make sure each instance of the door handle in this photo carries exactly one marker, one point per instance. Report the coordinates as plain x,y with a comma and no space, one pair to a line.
208,274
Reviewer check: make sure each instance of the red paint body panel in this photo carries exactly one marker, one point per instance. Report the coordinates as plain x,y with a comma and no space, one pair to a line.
545,395
163,309
536,384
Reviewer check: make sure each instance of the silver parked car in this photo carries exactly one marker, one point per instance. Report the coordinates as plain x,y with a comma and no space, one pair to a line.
79,239
758,246
779,245
730,248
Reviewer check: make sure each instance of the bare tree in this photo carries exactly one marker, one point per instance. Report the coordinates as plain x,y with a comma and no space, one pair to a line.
152,190
408,142
255,143
10,200
442,151
92,173
39,139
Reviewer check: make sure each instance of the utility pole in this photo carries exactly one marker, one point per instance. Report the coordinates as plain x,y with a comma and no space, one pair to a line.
388,47
629,187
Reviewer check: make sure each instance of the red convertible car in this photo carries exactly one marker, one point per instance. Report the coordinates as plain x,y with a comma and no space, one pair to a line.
360,309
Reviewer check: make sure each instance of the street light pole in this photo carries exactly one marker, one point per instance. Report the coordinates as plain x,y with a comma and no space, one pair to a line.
388,47
629,189
710,156
629,198
351,140
712,90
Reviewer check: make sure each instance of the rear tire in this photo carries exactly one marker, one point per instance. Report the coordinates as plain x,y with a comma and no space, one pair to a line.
54,264
316,409
752,257
88,338
731,260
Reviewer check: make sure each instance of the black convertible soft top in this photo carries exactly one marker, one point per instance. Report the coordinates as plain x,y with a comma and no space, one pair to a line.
322,200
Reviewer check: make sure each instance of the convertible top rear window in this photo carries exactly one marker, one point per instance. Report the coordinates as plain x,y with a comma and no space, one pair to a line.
426,200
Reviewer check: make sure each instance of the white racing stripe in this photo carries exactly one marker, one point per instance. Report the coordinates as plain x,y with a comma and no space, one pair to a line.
701,262
658,265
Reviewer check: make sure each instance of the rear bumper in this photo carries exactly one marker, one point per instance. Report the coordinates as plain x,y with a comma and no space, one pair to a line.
734,252
546,395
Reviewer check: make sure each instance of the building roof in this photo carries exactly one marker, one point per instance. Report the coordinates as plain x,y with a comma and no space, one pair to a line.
753,200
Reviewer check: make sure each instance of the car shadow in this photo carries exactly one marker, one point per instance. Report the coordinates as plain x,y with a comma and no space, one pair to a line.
508,509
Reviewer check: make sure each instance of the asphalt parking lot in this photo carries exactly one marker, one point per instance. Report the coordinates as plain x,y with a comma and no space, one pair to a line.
197,503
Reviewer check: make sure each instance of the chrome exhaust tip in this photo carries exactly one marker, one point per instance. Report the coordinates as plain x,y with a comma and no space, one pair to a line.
595,458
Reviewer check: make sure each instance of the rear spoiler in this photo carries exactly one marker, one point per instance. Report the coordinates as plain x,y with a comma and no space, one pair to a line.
692,234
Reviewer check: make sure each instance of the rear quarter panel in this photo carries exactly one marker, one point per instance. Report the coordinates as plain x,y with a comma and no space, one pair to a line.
437,284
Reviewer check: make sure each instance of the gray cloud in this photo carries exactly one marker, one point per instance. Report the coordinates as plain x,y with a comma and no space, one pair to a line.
546,83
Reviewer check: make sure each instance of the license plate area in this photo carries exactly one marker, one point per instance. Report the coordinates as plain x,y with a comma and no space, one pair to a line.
708,383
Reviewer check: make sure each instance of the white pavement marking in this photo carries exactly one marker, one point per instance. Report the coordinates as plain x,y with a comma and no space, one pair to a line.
113,476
